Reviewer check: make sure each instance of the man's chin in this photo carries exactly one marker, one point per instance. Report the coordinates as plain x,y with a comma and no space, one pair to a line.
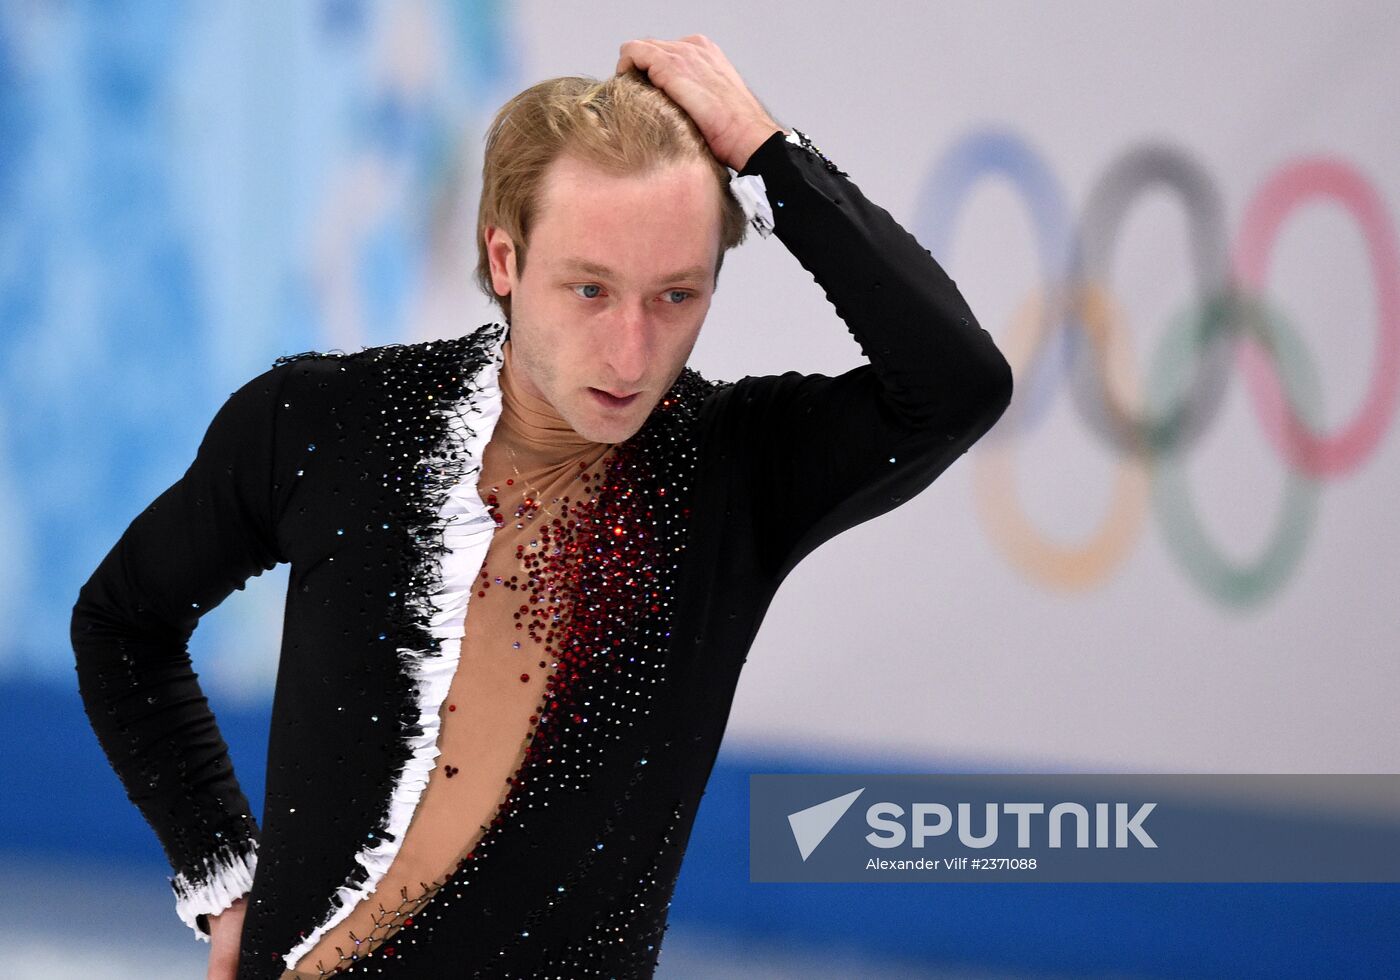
612,432
601,425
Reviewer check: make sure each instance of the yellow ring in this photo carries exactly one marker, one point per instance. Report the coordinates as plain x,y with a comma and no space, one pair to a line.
1065,566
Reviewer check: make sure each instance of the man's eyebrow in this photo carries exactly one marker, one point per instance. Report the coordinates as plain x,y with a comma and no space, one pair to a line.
594,269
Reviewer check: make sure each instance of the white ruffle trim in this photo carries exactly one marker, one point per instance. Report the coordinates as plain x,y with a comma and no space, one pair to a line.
228,877
467,528
752,195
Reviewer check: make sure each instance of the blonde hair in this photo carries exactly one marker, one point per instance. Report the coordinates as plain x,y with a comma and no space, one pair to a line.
624,125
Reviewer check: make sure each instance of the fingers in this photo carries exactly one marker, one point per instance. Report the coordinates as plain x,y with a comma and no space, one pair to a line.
635,54
643,53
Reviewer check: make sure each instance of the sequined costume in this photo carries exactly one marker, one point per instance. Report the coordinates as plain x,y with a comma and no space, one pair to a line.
376,476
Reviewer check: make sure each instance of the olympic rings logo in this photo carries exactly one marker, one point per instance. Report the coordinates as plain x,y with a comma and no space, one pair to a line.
1073,331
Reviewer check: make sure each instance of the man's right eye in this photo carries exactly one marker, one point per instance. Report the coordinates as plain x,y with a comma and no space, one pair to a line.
585,285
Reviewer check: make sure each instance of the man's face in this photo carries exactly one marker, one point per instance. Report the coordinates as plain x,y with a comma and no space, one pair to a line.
580,335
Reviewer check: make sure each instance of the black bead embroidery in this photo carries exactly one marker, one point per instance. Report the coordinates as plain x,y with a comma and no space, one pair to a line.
622,622
626,940
805,142
417,389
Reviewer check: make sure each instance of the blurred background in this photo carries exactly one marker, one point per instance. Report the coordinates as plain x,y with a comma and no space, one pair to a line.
1176,553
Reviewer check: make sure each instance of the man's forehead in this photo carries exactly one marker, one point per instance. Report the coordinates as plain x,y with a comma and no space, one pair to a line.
569,165
577,216
572,183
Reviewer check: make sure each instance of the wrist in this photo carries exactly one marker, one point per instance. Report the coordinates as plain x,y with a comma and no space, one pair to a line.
752,140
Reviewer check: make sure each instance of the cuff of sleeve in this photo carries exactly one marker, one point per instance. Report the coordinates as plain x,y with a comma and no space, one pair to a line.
748,186
776,159
772,153
226,876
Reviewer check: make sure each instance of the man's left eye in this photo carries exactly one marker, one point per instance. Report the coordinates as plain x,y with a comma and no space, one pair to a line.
680,292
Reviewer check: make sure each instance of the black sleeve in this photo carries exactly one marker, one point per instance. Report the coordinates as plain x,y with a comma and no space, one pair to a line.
828,453
182,556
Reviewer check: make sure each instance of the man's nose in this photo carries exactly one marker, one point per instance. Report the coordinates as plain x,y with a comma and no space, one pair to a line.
627,346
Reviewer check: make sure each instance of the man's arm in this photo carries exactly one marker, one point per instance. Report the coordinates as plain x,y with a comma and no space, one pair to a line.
182,556
824,454
831,453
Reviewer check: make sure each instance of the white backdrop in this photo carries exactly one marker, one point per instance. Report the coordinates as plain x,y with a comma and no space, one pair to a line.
917,636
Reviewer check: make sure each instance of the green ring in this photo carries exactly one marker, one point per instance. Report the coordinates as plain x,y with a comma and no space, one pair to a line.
1231,584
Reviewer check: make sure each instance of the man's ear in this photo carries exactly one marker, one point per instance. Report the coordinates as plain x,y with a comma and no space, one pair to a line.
500,252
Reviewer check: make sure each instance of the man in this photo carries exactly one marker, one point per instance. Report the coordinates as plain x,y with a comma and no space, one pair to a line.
527,563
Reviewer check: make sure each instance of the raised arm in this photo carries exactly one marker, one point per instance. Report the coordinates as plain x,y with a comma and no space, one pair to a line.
823,454
181,556
838,451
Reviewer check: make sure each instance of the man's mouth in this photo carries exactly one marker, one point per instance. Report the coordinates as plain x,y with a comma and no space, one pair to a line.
610,399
